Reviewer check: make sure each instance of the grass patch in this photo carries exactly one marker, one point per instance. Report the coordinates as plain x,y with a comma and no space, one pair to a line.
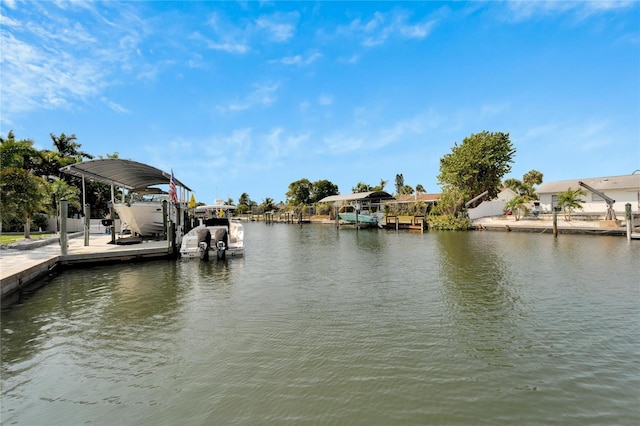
12,238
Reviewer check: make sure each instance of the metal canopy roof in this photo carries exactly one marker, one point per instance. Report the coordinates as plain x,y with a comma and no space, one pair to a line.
373,195
123,173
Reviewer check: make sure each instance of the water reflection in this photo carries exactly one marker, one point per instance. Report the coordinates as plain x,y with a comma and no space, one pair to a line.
478,286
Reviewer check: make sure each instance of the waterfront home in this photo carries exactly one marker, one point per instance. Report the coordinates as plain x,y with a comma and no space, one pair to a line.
403,203
494,207
623,189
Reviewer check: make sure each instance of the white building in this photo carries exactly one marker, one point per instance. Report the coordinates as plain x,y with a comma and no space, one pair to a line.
624,189
494,207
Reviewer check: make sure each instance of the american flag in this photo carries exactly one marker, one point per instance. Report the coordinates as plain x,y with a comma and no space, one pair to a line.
173,194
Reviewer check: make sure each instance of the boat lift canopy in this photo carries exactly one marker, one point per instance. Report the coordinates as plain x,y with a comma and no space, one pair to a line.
126,174
359,196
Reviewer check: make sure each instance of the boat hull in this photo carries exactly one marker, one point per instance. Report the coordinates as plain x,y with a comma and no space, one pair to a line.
142,218
192,248
371,219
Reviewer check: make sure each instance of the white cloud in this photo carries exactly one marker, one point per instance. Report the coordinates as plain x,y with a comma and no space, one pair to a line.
522,10
380,27
299,60
325,100
279,27
261,95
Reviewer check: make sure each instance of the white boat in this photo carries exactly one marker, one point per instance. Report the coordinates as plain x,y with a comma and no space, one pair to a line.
141,217
217,235
142,214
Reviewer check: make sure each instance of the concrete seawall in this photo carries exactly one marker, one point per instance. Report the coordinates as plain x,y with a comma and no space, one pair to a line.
23,268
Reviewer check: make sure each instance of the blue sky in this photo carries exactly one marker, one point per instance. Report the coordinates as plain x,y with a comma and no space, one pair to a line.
251,96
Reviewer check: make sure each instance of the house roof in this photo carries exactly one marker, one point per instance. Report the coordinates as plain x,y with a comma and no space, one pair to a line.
123,173
373,195
418,197
624,182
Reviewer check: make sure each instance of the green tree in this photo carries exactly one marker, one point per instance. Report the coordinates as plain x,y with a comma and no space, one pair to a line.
69,149
299,192
405,190
399,183
570,200
19,154
518,206
525,187
244,203
420,189
22,195
268,204
478,164
321,189
380,187
361,187
60,189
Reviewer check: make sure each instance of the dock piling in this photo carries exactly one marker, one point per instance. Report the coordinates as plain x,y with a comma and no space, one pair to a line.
64,211
629,217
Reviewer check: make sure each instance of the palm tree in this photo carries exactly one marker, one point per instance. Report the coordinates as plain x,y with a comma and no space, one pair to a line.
268,204
518,206
570,200
67,147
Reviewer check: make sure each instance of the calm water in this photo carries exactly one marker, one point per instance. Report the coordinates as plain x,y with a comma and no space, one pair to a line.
316,326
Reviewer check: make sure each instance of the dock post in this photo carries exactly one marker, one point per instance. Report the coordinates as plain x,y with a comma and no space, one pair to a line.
555,221
112,215
64,211
164,218
397,223
627,211
87,223
337,217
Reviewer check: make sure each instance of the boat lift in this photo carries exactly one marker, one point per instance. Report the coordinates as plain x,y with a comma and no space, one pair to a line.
611,213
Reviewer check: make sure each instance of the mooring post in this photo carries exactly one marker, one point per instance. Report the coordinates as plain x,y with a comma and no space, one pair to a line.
555,222
627,210
87,223
64,211
164,218
112,215
337,217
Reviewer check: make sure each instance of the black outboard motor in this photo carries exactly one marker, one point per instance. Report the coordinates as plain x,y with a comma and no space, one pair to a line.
221,241
204,243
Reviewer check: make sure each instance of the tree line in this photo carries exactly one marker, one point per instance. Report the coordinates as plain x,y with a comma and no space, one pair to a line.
31,181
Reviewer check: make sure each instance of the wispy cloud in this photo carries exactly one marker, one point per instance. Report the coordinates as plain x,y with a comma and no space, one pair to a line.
53,60
380,27
527,9
261,95
325,100
225,36
300,60
278,26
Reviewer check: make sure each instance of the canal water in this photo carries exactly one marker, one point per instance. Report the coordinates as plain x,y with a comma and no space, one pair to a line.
316,326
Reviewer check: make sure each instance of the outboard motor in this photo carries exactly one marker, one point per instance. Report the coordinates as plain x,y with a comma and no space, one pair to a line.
204,242
222,242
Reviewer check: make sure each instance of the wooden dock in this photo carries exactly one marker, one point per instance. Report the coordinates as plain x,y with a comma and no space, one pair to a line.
416,223
24,268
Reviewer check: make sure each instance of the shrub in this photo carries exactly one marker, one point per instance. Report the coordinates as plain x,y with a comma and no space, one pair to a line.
448,222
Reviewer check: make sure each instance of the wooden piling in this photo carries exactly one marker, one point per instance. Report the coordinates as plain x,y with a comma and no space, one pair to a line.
555,222
64,212
87,223
627,211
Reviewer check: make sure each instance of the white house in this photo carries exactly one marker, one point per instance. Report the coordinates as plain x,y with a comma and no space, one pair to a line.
623,189
494,207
